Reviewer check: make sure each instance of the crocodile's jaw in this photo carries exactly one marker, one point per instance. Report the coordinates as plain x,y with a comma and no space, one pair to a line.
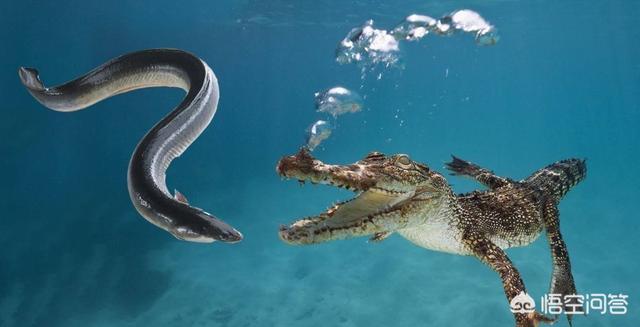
378,206
368,213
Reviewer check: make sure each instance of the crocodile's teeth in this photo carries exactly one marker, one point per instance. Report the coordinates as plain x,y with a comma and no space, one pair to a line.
358,215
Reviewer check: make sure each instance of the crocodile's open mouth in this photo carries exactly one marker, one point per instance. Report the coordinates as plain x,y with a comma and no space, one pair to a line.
385,194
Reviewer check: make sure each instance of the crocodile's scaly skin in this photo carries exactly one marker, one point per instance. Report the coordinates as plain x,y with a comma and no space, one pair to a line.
397,194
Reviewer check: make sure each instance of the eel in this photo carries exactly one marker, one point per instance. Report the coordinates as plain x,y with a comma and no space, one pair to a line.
167,140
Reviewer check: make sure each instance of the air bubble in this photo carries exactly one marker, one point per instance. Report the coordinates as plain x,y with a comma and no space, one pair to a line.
337,101
317,133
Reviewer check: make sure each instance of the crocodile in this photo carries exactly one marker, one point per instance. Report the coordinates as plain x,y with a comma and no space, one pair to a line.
395,194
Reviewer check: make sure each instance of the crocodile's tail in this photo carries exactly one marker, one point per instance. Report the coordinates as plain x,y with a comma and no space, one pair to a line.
558,178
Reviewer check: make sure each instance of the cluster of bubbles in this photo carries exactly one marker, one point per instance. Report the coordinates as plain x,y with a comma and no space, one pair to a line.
369,45
335,101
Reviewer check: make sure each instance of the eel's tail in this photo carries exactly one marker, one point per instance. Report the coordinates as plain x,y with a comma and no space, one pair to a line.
558,178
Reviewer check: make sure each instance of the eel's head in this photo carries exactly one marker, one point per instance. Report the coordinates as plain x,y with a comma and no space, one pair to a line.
205,228
392,192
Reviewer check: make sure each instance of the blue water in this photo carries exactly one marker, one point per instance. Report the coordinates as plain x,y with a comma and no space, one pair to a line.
564,81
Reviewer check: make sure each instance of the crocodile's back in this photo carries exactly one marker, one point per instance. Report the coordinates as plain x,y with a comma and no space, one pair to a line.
510,213
510,216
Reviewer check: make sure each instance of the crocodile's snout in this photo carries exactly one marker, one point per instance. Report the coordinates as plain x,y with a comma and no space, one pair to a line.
302,162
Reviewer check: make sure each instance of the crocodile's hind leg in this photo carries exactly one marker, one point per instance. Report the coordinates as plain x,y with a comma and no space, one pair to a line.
497,259
484,176
562,279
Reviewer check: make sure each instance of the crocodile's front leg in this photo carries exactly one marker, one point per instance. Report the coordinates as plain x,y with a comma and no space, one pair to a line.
486,177
497,259
562,279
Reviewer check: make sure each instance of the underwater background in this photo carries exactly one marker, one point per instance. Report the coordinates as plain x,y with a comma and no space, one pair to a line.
564,81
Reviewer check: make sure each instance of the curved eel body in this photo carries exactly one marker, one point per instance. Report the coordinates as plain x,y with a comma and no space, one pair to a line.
167,140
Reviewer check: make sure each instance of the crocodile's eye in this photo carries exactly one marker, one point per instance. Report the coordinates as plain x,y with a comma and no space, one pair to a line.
404,162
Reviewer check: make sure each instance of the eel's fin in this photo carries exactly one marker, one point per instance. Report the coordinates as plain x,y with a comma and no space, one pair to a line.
180,197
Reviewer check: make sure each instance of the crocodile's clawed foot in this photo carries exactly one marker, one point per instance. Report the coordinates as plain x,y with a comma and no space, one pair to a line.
458,166
534,319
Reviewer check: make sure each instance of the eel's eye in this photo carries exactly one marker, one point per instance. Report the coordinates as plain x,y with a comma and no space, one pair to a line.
403,162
